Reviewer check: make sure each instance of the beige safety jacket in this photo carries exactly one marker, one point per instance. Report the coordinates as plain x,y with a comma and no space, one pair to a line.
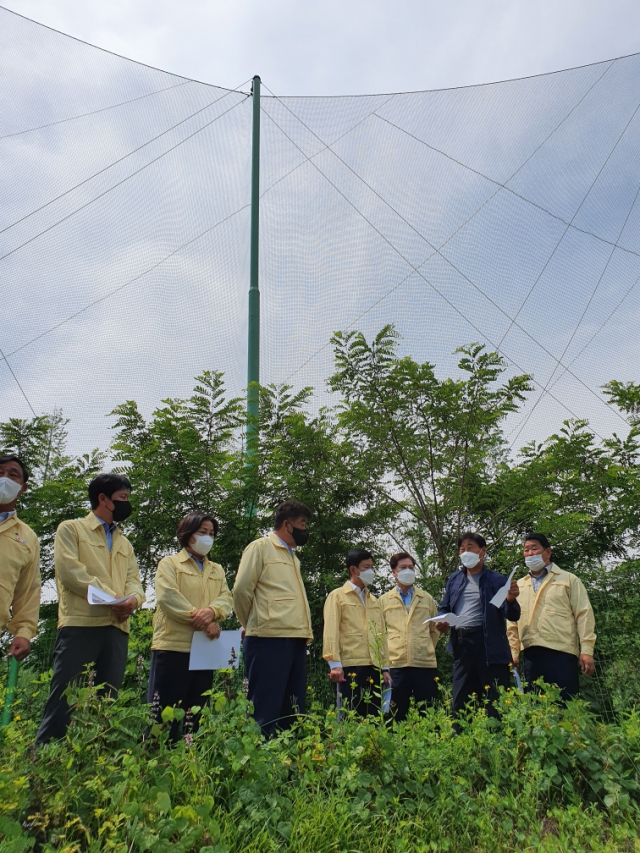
182,588
411,643
81,557
354,633
269,597
559,616
19,578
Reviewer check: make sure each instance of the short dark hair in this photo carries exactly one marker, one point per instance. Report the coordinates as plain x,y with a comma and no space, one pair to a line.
192,522
537,537
356,556
470,536
11,457
106,484
289,511
402,555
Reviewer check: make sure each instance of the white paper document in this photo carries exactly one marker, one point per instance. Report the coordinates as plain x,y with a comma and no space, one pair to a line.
450,618
501,594
222,653
97,596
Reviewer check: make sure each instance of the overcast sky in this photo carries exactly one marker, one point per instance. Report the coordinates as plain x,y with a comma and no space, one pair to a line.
336,47
124,224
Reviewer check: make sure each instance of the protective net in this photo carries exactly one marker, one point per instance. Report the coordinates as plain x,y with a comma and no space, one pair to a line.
504,213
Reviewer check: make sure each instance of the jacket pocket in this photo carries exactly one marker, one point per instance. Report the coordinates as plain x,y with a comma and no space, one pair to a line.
281,612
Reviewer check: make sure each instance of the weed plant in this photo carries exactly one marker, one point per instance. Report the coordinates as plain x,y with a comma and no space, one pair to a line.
542,778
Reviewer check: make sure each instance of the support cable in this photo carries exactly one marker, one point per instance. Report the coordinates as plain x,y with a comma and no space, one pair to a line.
115,163
453,266
94,112
548,384
4,358
122,286
417,270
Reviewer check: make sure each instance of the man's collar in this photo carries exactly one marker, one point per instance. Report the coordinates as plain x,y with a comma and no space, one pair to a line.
278,542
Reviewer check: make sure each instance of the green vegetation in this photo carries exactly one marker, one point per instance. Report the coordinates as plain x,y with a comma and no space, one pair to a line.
405,459
542,779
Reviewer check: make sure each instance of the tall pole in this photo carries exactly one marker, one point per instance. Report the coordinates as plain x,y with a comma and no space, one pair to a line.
11,690
253,354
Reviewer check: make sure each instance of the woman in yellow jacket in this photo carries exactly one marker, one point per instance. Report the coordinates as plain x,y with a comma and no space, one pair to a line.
191,595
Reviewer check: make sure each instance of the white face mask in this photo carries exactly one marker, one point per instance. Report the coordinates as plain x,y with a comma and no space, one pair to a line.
407,576
8,490
367,576
534,563
469,559
202,545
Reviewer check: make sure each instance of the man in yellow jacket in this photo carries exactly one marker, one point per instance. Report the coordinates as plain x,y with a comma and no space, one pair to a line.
270,602
556,630
92,551
412,644
19,561
354,642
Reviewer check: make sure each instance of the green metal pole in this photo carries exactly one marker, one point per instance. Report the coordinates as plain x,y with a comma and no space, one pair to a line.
253,354
11,691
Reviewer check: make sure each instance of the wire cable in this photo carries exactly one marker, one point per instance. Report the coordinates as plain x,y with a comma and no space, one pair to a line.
453,266
4,358
116,162
577,326
417,270
95,112
123,286
119,183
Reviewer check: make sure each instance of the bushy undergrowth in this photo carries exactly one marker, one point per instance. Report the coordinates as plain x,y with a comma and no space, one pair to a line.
543,778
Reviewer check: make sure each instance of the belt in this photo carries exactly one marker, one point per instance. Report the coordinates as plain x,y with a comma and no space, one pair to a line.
463,632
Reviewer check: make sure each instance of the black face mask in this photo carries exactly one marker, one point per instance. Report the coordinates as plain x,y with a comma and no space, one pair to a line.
300,537
121,510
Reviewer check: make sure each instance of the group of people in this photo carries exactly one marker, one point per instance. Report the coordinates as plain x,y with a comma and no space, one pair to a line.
370,644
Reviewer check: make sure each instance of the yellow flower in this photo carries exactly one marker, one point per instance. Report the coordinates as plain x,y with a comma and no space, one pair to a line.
370,680
507,701
437,678
486,687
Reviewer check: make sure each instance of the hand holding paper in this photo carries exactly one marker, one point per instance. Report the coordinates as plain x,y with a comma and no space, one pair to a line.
97,596
449,618
501,595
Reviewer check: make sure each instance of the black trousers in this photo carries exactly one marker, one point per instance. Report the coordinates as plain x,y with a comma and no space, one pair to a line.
276,669
362,690
559,668
104,648
415,681
472,674
175,685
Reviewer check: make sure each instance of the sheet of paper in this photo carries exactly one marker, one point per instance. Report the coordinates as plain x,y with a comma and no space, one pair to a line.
516,675
97,596
222,653
501,594
386,699
450,618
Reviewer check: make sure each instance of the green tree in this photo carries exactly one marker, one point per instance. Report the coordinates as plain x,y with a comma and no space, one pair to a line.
426,443
185,458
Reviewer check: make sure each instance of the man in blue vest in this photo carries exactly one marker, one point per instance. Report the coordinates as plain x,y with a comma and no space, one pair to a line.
479,644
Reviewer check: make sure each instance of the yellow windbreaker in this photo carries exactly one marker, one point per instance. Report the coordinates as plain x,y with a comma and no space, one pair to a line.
354,633
182,588
81,557
559,616
410,642
269,598
19,578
